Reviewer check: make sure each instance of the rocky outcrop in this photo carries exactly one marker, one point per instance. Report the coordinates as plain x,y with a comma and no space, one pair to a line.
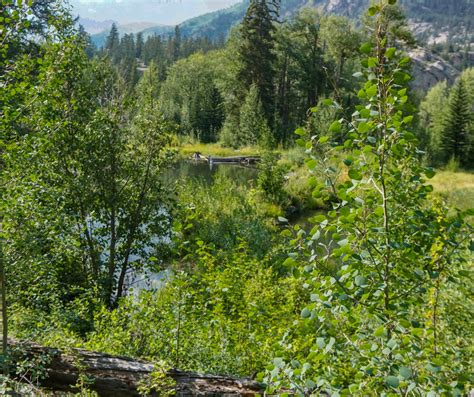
428,69
350,8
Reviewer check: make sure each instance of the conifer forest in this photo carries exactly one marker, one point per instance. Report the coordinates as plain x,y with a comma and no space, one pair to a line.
277,195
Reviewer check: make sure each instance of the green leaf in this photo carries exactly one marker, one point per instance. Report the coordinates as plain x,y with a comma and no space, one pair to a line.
372,62
392,2
429,172
300,132
301,142
320,342
355,174
392,381
417,332
379,332
390,52
328,102
379,211
311,164
360,281
372,91
319,218
405,372
323,139
366,48
336,127
408,119
305,313
286,233
289,262
405,61
363,127
372,11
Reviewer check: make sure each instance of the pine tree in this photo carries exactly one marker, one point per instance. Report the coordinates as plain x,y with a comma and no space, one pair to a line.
177,44
112,44
257,51
457,130
139,45
253,125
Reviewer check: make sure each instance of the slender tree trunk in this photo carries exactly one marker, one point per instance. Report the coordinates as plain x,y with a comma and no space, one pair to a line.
4,307
113,234
134,224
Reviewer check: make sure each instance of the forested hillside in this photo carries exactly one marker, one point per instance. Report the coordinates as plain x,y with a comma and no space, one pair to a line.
283,204
432,17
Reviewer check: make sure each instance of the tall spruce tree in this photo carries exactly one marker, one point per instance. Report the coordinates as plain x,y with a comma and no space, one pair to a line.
253,126
112,44
257,51
457,130
139,45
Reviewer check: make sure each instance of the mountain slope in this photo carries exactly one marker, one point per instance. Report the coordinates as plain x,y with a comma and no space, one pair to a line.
432,20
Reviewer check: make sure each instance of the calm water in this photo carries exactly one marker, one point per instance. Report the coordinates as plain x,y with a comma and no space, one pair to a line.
202,171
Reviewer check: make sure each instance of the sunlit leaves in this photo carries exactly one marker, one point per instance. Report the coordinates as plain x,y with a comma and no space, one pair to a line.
376,255
335,127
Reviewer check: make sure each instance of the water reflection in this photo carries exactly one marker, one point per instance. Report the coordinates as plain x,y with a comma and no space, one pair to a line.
206,173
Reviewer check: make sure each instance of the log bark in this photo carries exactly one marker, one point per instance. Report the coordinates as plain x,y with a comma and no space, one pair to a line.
119,376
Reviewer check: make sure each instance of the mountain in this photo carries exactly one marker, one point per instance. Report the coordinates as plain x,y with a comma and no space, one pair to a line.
92,26
99,38
212,25
161,12
432,21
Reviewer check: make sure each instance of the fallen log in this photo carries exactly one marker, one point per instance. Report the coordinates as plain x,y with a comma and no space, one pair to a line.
243,160
121,376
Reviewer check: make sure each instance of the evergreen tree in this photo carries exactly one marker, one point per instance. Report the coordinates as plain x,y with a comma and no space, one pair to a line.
90,48
433,110
139,45
457,130
253,125
112,44
257,51
176,44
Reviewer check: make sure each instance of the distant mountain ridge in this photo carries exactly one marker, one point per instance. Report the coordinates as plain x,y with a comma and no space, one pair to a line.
99,38
432,21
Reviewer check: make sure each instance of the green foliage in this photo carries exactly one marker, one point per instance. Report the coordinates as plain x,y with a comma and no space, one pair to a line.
158,381
378,266
190,98
223,215
256,52
446,121
432,114
103,182
253,127
221,315
458,131
271,179
376,297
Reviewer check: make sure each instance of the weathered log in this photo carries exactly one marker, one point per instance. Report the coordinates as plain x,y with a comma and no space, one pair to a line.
120,376
244,160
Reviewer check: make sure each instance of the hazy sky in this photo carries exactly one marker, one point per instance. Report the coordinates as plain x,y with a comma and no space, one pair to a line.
167,12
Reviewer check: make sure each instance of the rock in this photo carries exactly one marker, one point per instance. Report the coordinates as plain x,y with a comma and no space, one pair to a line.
428,69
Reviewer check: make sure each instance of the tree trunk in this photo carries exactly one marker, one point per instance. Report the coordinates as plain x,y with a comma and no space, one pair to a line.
116,376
